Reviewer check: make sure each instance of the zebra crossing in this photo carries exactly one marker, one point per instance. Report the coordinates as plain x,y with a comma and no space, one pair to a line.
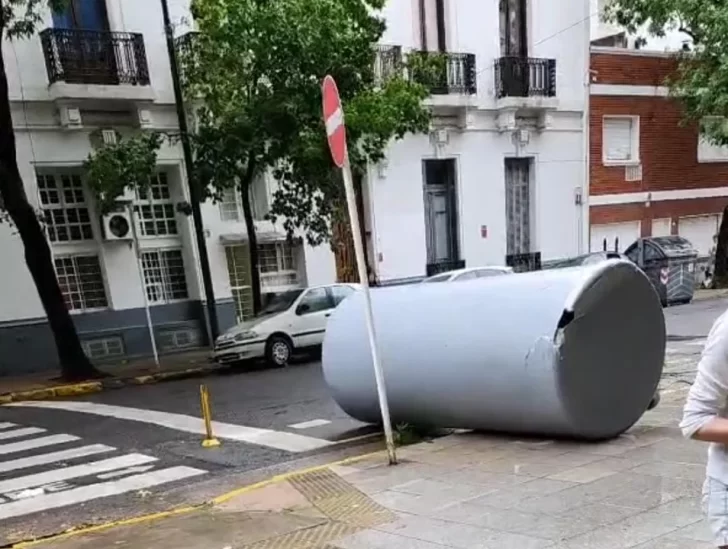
40,471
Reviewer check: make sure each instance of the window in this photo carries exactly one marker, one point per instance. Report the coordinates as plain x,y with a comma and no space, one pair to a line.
155,209
81,282
164,275
277,264
487,273
64,207
238,265
104,347
314,301
340,293
620,136
472,275
231,205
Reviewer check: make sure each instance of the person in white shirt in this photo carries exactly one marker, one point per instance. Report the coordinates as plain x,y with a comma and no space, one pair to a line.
705,418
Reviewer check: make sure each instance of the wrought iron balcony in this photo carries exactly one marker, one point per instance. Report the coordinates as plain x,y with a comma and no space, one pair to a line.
95,57
525,77
444,266
387,62
524,262
444,73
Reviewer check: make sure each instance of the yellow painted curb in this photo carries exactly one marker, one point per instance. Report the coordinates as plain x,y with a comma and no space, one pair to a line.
188,509
48,393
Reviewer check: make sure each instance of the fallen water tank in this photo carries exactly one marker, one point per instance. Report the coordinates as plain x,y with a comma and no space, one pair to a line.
566,352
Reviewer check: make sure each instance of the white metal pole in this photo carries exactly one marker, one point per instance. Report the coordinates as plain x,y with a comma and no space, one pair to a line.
140,267
364,280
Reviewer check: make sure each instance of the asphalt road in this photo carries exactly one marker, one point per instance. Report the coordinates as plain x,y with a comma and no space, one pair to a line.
693,320
292,407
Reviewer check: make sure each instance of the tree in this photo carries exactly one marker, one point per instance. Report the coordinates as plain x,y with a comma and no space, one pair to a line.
18,20
700,81
256,68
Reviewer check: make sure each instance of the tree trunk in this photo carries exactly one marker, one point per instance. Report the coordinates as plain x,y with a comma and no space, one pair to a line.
720,274
343,243
75,365
252,238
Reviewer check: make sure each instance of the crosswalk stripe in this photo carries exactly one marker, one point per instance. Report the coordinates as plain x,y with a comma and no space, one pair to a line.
17,433
7,425
94,491
34,443
76,471
54,457
290,442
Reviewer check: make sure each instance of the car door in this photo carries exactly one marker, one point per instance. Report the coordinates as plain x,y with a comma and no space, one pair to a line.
311,315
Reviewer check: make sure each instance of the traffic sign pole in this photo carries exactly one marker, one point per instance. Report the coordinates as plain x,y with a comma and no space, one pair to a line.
336,133
364,279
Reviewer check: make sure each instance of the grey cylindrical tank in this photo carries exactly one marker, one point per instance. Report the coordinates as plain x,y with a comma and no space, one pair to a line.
564,352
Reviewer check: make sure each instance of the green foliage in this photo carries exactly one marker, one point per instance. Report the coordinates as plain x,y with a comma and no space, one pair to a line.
256,66
701,81
20,18
129,163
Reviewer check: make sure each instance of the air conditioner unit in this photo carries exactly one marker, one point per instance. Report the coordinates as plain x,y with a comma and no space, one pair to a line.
117,226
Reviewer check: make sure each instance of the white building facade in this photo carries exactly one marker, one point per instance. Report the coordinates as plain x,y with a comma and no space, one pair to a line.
501,178
103,65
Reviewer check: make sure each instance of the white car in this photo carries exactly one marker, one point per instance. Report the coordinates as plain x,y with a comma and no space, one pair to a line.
292,320
469,273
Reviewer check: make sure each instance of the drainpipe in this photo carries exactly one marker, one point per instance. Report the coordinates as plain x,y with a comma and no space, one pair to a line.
584,224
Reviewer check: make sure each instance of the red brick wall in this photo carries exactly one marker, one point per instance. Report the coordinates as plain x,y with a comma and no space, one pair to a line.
668,148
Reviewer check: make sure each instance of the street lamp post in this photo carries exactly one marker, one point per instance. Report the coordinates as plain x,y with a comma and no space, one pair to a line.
195,197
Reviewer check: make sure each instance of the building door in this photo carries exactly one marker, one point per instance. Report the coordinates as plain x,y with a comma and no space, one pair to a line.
238,264
441,220
518,205
89,54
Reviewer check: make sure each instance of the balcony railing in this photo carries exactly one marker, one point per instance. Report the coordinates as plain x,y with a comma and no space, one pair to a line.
523,263
95,57
444,73
525,77
387,62
444,266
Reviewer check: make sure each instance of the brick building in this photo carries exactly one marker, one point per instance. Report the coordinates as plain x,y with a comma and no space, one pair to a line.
649,173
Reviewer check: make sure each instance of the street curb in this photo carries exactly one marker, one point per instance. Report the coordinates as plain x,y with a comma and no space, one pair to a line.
218,500
88,387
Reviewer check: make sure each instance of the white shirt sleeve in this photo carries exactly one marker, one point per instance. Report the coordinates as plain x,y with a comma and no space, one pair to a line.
709,393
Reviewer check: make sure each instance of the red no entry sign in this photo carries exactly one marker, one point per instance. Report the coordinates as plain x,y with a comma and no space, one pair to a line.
334,120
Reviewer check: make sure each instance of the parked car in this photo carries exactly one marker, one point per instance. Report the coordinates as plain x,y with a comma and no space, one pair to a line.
586,259
469,273
291,321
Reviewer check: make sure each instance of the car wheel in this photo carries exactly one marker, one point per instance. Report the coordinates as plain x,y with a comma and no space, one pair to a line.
278,351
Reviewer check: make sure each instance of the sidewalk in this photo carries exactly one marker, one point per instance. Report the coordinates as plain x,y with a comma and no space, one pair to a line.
701,295
469,491
46,385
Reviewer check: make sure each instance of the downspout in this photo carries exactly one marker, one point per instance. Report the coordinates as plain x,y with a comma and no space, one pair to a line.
584,223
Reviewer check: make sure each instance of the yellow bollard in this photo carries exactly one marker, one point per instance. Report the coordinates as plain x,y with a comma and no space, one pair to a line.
210,440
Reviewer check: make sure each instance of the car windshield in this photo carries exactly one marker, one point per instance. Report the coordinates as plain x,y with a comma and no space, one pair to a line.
280,302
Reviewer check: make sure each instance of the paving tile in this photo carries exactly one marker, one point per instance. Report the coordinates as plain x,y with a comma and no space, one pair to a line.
672,469
668,542
584,474
599,514
508,498
430,487
425,505
375,539
546,527
700,531
637,529
460,535
483,478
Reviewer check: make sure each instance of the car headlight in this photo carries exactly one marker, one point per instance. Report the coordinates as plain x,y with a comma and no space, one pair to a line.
250,334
